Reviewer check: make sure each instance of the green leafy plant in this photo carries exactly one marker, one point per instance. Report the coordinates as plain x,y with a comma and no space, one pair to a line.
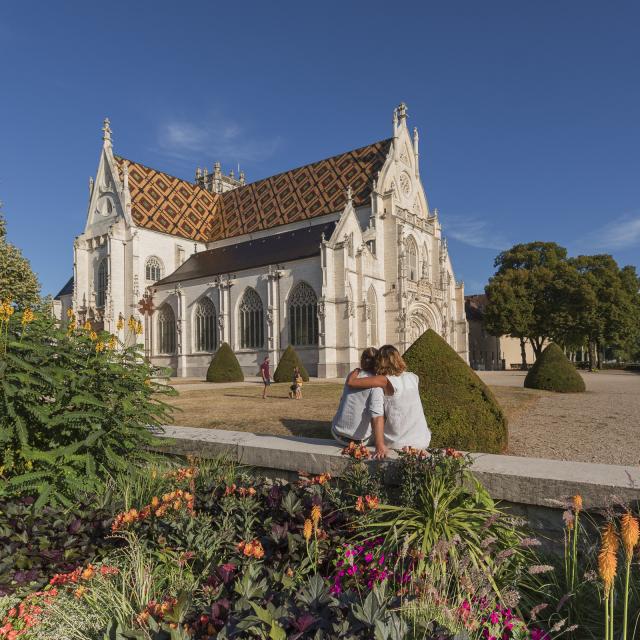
553,372
75,408
460,409
287,363
224,366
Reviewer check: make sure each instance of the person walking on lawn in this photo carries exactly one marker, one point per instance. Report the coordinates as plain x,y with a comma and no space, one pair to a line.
265,373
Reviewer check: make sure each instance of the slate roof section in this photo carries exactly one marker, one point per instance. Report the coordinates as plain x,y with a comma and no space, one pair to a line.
67,290
474,306
300,194
164,203
271,250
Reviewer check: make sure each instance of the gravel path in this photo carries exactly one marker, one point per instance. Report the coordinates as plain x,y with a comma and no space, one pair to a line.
600,425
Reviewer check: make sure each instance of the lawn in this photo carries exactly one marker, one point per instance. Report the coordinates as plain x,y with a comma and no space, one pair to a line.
243,409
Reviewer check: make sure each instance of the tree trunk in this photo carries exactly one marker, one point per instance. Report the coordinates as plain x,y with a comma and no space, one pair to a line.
536,343
523,353
591,349
599,354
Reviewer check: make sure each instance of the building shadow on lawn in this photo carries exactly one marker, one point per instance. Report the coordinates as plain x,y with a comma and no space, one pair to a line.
308,428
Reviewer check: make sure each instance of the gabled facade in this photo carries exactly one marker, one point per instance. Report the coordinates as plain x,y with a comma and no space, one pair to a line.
330,257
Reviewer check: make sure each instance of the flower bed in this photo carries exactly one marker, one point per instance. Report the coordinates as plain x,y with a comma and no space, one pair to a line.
205,551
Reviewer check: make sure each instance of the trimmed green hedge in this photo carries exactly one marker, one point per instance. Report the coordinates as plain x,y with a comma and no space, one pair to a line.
460,408
552,371
224,366
288,362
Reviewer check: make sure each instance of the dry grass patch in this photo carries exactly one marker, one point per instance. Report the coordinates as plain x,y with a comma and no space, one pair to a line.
243,409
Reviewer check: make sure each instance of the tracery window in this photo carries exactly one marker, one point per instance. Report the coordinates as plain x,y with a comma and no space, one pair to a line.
412,259
204,321
303,316
251,320
153,269
102,278
166,330
372,303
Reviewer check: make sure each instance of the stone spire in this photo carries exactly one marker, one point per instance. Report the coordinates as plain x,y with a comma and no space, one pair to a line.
402,112
106,132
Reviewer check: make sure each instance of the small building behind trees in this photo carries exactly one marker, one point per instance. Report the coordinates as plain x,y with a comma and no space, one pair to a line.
487,352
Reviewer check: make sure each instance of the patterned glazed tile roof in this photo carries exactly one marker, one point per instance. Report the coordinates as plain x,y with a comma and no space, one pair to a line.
299,194
170,205
167,204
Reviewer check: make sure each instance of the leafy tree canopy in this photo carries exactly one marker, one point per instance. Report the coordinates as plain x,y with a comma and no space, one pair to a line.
18,283
539,294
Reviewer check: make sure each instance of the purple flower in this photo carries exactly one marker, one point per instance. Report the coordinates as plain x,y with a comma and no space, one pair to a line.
368,557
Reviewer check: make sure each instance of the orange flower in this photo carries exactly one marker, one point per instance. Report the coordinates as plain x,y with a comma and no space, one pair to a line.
258,551
307,529
372,502
630,533
79,592
88,573
316,514
155,502
360,505
577,503
608,557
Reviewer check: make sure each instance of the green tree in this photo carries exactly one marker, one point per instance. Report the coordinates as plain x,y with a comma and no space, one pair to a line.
612,318
518,295
18,283
509,311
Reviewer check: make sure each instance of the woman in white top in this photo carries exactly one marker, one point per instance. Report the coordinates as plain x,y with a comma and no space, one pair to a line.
405,424
359,408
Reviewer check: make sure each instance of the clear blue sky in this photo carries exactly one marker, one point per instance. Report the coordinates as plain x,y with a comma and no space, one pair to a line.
529,112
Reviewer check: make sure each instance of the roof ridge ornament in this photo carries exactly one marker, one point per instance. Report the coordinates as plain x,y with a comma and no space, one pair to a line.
402,111
349,194
106,131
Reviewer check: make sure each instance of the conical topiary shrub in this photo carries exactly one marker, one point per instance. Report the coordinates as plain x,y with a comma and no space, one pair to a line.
460,409
553,372
288,362
224,366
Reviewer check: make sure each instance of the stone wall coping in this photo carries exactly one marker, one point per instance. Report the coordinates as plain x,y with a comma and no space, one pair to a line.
529,481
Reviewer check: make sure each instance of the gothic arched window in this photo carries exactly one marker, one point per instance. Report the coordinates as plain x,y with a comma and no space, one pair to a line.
251,320
153,269
204,325
303,316
166,330
372,303
412,260
102,278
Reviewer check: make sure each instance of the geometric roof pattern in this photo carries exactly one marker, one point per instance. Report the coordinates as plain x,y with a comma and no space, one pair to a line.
300,194
168,204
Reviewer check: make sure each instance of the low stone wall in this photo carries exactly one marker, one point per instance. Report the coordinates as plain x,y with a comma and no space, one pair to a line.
532,487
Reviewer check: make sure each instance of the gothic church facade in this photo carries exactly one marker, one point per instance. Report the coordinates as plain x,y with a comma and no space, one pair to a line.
330,257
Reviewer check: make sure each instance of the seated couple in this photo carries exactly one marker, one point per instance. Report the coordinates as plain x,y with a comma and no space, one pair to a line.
380,401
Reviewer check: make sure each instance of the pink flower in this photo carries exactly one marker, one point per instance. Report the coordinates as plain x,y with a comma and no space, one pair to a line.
368,557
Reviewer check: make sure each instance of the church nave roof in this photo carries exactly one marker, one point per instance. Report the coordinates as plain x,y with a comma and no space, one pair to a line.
164,203
274,249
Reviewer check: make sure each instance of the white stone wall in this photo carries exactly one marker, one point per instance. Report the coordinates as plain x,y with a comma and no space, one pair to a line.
226,300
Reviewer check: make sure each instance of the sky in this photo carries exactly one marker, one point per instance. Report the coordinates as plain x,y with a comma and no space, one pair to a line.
528,112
